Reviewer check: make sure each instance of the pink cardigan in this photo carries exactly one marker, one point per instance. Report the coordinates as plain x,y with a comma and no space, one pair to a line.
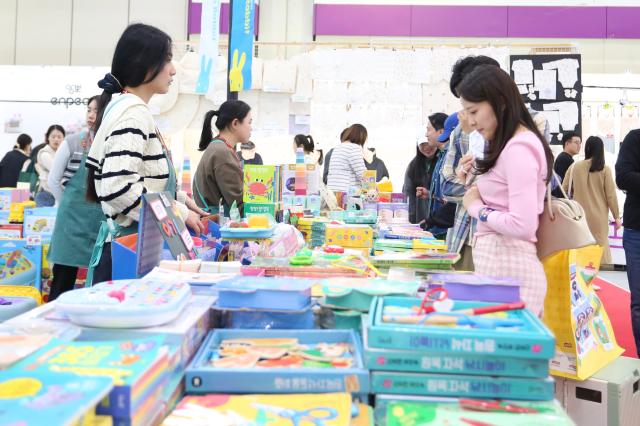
515,188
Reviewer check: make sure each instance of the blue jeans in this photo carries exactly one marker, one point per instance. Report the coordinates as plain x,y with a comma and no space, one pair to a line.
631,244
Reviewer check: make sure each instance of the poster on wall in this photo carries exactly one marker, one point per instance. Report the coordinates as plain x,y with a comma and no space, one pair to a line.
35,97
551,84
241,45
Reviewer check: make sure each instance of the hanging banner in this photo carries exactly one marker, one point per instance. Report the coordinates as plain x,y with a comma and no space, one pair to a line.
209,40
241,45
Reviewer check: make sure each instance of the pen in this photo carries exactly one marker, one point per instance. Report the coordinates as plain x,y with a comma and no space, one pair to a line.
491,309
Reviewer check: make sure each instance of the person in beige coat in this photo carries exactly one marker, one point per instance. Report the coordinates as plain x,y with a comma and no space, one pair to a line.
593,187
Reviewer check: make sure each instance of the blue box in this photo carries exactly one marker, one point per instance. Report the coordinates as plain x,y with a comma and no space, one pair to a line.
468,364
4,217
268,319
20,262
462,386
264,293
39,221
533,340
201,378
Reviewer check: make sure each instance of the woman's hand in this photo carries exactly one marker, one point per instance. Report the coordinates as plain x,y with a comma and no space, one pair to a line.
464,167
422,192
194,223
617,225
471,196
191,205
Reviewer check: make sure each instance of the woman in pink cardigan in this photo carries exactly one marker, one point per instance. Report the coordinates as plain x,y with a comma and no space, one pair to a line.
509,195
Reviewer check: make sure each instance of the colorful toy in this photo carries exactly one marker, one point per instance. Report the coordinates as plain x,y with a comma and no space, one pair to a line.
16,211
125,303
278,361
40,221
20,263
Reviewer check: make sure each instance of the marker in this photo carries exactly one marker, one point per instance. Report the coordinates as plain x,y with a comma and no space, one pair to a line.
491,309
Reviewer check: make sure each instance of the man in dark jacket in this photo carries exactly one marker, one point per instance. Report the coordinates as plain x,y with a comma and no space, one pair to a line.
628,180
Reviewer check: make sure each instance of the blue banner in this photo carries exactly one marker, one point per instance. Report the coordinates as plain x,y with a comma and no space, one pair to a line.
241,45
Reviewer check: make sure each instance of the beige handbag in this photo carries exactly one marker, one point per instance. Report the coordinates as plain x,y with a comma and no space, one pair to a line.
563,226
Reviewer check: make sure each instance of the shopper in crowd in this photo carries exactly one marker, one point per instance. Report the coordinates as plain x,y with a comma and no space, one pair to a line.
218,178
128,156
327,158
14,161
591,183
460,236
628,180
510,191
441,213
571,144
372,162
417,177
77,220
347,168
248,154
311,155
44,162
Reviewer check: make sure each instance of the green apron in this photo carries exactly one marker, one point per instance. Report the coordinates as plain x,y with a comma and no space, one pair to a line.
109,232
77,223
205,205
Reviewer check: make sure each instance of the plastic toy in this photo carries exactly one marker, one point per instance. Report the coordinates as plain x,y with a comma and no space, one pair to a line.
125,303
16,211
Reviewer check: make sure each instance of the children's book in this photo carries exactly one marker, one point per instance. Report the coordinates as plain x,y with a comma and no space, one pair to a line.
29,398
20,262
329,409
137,367
259,184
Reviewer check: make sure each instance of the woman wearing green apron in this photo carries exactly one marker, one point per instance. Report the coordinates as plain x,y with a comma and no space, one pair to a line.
218,178
128,157
77,220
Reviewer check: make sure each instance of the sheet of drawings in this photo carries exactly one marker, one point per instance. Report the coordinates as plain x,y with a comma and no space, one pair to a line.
551,84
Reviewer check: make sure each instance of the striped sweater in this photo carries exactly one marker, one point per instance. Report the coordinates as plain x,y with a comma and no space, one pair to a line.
346,167
128,159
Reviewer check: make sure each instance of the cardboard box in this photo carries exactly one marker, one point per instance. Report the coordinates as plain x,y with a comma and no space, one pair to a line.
40,221
20,262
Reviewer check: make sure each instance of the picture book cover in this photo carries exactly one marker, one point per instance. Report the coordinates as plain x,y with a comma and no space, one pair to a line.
259,184
288,179
44,398
20,263
329,409
134,366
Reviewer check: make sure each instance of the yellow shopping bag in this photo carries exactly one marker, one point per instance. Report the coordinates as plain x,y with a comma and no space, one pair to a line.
585,341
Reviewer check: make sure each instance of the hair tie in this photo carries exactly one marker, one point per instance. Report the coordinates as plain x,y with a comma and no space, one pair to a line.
110,84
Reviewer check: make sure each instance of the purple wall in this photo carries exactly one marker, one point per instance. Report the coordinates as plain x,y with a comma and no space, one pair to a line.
195,13
477,21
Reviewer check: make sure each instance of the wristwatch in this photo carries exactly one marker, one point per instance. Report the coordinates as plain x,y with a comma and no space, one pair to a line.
483,215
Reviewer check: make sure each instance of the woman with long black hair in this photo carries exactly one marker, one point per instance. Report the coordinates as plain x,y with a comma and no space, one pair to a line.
510,191
591,183
128,157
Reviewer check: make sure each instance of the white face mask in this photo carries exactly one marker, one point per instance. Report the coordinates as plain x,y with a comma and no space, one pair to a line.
476,145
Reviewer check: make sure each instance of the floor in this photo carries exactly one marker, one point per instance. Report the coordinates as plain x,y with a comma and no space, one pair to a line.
619,278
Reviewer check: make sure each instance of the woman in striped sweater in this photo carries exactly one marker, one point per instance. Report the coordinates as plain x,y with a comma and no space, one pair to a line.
347,167
128,157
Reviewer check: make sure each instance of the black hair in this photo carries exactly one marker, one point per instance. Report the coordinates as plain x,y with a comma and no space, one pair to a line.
491,84
594,151
464,66
229,111
305,142
437,120
417,169
567,136
51,129
23,141
141,53
321,157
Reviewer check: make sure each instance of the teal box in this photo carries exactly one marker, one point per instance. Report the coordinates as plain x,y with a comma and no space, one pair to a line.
20,262
468,364
314,202
202,378
358,293
462,386
532,340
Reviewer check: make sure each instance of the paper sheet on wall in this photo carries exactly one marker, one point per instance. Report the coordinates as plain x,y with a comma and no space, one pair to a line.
553,118
279,76
567,71
304,83
522,88
545,83
568,113
256,73
522,71
274,111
